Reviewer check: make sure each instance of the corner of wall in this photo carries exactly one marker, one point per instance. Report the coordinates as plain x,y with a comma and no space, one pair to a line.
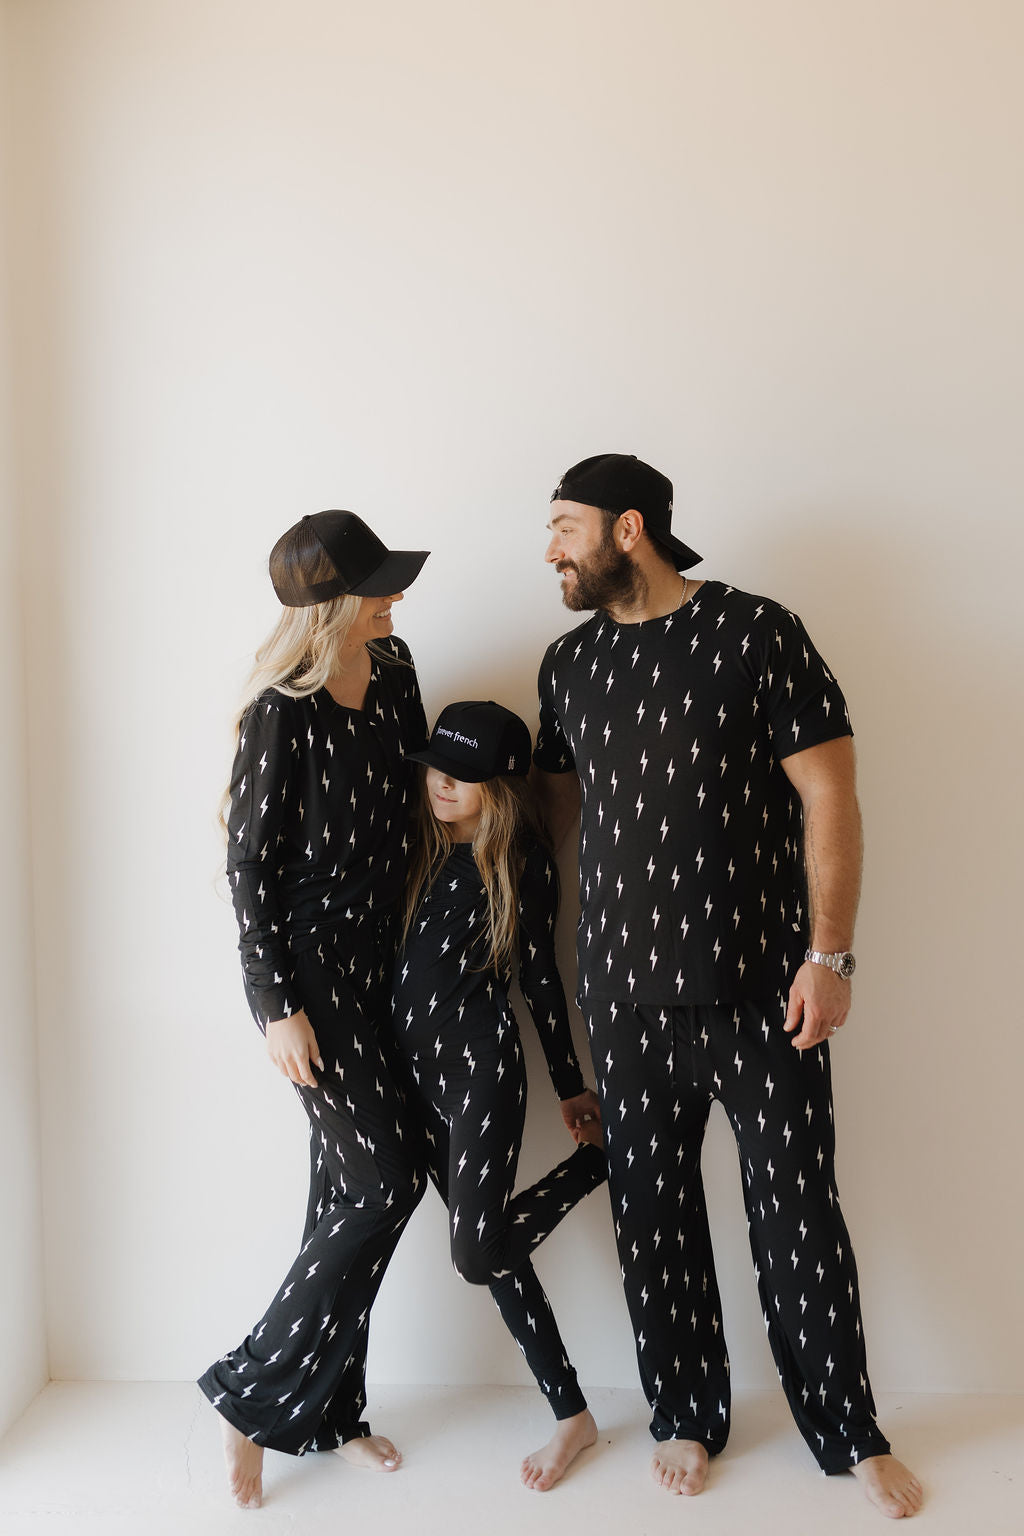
22,1308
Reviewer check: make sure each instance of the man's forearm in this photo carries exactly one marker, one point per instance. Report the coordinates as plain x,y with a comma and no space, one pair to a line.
825,779
558,795
833,852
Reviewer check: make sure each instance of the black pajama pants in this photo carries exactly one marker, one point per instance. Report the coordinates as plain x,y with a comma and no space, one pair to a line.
297,1382
658,1072
470,1093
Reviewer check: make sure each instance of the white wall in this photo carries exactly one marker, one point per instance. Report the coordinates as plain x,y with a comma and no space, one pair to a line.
22,1319
416,259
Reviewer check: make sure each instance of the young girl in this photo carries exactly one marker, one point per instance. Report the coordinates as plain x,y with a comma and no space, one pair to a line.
481,881
317,834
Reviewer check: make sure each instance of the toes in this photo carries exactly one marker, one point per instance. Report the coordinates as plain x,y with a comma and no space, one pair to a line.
387,1452
247,1495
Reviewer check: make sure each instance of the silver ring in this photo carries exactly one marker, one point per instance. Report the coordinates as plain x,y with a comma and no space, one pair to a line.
832,1028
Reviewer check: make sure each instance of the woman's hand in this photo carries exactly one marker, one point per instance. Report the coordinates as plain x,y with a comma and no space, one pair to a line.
292,1047
582,1116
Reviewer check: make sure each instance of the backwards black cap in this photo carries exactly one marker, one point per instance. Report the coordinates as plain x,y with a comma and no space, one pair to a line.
620,482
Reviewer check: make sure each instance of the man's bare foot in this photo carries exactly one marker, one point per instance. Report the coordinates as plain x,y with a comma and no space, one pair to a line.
245,1466
890,1485
542,1469
374,1453
680,1466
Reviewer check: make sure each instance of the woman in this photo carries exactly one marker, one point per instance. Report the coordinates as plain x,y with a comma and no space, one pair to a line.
317,821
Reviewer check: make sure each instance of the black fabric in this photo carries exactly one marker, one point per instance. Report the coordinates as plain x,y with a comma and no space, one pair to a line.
297,1382
692,884
441,983
318,822
658,1072
459,1039
694,912
317,852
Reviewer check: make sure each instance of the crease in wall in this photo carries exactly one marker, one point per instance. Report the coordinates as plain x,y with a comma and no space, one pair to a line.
22,1308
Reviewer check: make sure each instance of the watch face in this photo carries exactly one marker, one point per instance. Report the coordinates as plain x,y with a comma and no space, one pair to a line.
847,966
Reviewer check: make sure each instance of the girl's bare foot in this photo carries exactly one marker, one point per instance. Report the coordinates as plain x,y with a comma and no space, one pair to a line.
374,1453
245,1466
542,1469
890,1485
680,1466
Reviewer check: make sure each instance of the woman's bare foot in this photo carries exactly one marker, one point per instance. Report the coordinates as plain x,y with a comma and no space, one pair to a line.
374,1453
890,1485
245,1466
542,1469
680,1466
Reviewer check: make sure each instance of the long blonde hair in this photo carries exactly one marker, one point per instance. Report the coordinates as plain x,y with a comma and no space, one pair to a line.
507,816
304,647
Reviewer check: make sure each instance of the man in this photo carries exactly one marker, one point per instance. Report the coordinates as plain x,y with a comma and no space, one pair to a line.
719,875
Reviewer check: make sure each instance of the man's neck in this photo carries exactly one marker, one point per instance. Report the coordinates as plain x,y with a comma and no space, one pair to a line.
659,592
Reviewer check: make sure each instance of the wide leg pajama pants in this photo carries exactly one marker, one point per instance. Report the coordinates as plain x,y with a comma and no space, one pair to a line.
471,1095
297,1383
658,1072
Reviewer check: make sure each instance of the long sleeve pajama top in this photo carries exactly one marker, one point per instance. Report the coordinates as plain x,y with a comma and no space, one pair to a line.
443,998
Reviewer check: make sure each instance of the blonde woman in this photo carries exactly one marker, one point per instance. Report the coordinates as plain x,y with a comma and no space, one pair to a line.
482,883
317,823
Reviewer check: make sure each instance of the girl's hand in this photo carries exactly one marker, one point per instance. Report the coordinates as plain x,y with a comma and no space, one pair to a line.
292,1047
582,1116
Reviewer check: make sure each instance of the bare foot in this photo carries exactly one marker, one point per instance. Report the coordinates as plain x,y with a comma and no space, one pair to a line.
890,1485
542,1469
245,1466
374,1453
680,1466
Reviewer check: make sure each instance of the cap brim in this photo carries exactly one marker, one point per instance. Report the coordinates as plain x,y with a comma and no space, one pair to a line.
682,555
398,571
464,772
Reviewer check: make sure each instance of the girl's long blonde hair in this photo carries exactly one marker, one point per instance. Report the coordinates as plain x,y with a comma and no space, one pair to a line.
507,815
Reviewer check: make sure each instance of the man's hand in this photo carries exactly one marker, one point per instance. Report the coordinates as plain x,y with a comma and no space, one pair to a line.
292,1047
582,1116
819,1002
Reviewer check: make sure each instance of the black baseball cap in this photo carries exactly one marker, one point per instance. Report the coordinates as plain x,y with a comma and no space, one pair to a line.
477,739
365,566
620,482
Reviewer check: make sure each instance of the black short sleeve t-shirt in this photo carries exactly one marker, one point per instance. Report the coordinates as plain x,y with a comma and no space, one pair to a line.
318,820
692,883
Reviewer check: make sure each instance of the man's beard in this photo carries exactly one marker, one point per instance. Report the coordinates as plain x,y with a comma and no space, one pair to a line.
609,578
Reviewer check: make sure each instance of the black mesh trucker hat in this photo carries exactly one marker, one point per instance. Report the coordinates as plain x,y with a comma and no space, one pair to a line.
363,565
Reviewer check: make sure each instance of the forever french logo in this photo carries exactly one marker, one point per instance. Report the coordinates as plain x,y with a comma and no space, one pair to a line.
457,736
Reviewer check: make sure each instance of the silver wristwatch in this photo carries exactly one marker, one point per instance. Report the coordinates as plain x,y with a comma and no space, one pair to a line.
841,961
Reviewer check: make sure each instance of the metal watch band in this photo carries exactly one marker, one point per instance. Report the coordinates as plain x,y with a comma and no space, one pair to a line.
841,961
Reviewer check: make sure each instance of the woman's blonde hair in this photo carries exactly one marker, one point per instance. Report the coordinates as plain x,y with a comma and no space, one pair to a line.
507,814
304,647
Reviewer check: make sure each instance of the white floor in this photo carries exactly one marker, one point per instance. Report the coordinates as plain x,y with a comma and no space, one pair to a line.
128,1459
